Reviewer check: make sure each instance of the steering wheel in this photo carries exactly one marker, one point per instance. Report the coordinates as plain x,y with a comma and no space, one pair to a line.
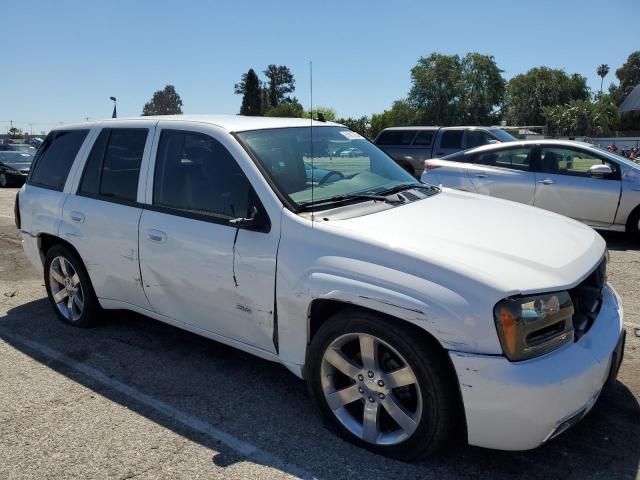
329,177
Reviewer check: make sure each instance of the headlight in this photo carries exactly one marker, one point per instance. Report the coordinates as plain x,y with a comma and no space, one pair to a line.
534,325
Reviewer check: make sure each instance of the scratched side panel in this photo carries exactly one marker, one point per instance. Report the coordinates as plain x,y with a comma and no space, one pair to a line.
107,240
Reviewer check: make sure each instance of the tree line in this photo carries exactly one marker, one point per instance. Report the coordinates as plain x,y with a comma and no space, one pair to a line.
456,90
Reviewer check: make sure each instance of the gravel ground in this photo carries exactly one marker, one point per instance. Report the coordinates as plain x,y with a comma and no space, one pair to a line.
135,398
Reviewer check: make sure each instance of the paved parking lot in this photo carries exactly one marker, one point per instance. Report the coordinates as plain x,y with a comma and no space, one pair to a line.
135,398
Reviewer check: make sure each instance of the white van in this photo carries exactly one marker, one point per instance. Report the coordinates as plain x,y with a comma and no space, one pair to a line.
411,312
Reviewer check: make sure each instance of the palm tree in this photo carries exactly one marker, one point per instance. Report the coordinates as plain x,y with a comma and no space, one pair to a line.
603,70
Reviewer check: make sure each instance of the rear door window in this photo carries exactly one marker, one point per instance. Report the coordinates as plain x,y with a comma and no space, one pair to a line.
424,138
396,137
515,158
476,138
55,157
113,166
452,139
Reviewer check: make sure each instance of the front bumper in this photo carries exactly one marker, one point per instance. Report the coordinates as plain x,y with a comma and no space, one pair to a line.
16,177
518,406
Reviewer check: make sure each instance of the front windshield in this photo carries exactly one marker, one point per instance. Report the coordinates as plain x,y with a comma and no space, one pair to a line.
11,158
502,135
343,163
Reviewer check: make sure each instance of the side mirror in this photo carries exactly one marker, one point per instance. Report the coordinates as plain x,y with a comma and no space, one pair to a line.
249,221
600,171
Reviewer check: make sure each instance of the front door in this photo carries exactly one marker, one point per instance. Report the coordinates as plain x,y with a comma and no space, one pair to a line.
197,267
564,185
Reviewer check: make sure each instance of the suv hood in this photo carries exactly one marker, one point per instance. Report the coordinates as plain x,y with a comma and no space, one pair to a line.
508,246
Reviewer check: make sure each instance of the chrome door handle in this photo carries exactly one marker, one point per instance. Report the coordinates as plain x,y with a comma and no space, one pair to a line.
156,236
547,181
481,175
77,217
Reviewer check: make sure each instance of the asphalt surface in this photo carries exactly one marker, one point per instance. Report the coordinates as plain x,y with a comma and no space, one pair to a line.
134,398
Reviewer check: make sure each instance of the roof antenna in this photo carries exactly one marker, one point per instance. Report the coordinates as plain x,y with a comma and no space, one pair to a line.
311,136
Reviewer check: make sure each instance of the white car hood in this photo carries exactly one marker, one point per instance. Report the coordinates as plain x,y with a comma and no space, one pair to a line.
508,246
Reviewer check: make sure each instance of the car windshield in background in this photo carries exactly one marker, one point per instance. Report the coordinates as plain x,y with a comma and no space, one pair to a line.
502,135
17,147
10,158
343,163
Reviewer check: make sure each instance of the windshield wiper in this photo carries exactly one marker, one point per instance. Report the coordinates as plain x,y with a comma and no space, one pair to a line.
353,196
409,186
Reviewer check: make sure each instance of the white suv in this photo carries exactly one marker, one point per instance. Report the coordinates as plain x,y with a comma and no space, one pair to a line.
411,311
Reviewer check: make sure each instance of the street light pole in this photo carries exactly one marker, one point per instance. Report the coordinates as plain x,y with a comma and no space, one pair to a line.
114,114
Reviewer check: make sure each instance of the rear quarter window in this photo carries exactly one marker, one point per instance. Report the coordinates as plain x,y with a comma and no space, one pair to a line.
452,139
55,157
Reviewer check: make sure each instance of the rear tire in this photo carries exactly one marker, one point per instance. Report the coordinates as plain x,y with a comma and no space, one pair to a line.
69,288
400,401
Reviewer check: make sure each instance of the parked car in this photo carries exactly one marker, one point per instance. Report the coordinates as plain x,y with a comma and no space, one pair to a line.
574,179
14,168
18,147
411,312
411,146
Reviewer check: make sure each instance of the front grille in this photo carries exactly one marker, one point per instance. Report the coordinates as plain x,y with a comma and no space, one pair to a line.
587,299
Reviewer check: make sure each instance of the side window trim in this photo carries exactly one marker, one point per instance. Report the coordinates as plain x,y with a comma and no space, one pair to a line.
107,198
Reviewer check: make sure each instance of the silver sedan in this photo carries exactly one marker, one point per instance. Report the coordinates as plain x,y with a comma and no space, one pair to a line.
574,179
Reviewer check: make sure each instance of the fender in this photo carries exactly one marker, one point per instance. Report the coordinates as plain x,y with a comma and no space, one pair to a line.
446,315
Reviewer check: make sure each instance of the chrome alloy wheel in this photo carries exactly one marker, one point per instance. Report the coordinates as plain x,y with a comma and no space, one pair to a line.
371,389
66,289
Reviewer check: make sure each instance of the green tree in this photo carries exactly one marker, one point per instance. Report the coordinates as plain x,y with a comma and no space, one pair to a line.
250,88
436,90
328,113
15,133
582,117
280,82
361,125
288,108
603,71
449,90
528,93
164,102
401,114
628,76
482,90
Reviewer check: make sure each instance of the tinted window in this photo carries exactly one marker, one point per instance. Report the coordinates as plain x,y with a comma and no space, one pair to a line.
452,139
475,138
90,183
567,161
55,157
195,173
516,158
396,137
425,137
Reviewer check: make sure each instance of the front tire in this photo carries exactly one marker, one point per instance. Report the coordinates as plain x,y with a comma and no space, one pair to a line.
381,386
69,288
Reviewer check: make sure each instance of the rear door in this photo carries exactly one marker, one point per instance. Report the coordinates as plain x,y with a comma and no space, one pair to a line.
565,185
101,219
448,141
505,173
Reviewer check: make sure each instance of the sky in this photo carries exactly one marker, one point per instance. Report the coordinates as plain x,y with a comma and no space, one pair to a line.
63,59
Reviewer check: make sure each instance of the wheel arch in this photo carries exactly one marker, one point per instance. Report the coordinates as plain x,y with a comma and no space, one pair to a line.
633,216
46,241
